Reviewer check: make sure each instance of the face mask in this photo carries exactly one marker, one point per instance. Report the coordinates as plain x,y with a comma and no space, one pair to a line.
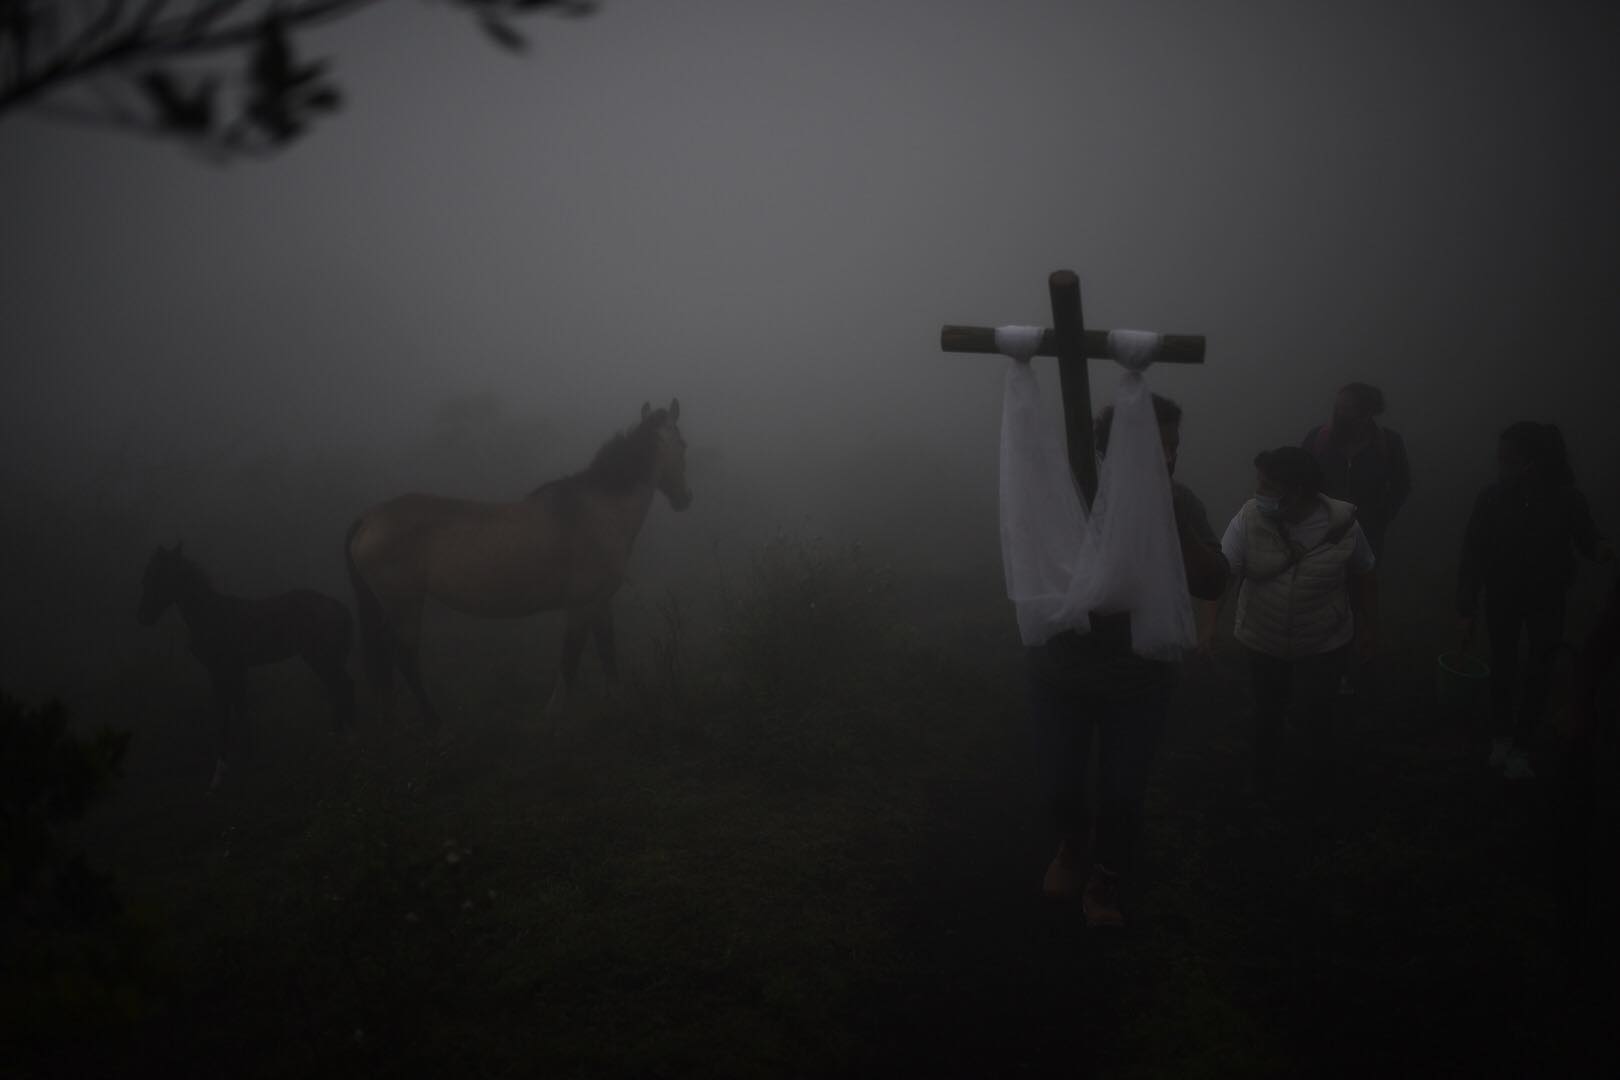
1268,505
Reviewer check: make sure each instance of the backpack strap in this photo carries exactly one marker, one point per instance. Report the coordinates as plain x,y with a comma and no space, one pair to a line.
1297,551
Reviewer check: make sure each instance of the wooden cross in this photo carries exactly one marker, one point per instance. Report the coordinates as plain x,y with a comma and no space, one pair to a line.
1072,344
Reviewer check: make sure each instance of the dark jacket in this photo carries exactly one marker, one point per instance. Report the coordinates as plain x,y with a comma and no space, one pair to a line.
1376,479
1599,653
1521,541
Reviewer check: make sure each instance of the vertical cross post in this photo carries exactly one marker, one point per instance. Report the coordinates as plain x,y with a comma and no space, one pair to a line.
1073,345
1069,332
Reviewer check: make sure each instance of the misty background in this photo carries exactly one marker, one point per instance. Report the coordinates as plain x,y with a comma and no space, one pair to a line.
479,271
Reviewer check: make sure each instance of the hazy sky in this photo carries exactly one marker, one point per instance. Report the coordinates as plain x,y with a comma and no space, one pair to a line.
769,208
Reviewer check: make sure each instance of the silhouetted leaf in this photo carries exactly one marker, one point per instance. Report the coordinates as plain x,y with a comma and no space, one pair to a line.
566,7
272,116
504,35
191,113
283,94
325,98
274,68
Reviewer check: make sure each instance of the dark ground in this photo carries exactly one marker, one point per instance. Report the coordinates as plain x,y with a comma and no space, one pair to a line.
1417,935
830,867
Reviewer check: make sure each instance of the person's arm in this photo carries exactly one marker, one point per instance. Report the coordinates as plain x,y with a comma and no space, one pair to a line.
1200,552
1583,530
1206,566
1208,611
1362,584
1400,474
1596,658
1206,614
1233,549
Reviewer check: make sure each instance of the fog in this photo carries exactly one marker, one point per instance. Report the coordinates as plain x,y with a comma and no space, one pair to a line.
769,211
481,268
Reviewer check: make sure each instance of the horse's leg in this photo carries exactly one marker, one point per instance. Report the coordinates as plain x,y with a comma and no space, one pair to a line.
377,638
381,681
342,688
407,628
338,641
606,648
245,730
607,651
339,687
227,697
579,624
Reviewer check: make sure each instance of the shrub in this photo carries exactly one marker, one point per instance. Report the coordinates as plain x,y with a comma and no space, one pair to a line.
71,956
807,616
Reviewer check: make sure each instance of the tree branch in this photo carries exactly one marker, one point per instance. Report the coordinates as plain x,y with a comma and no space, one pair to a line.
27,85
97,28
209,11
47,45
178,36
147,14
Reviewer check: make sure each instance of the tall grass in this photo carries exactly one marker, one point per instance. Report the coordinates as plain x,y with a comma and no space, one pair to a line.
698,875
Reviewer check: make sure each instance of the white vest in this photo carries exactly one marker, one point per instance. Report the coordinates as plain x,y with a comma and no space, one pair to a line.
1292,602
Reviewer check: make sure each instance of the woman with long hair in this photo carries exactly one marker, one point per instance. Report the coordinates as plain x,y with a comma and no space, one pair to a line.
1519,552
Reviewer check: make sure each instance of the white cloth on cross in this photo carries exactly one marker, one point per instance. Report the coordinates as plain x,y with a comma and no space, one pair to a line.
1062,563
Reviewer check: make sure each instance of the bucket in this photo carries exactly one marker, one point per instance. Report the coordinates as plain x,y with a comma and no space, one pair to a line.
1461,681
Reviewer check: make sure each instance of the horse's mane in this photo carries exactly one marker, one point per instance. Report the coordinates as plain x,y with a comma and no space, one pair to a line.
621,462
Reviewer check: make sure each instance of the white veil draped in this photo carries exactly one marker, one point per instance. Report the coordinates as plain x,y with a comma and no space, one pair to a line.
1062,563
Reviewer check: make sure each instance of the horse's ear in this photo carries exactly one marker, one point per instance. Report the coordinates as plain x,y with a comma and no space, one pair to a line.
674,409
646,409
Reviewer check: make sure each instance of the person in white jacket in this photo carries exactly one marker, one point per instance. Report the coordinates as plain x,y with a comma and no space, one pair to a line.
1307,594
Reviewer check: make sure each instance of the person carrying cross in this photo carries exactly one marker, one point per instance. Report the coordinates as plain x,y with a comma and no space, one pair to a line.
1093,684
1079,584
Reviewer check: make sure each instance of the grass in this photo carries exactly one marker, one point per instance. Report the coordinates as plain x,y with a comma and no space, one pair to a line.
800,841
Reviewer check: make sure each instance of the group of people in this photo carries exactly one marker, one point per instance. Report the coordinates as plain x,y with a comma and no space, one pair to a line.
1302,555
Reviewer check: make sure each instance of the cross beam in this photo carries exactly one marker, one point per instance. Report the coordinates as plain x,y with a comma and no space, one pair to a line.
1072,344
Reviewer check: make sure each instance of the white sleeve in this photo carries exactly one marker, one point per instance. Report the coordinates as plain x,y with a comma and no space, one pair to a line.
1232,545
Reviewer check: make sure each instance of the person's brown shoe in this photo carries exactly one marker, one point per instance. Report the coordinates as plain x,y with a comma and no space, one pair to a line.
1066,875
1100,901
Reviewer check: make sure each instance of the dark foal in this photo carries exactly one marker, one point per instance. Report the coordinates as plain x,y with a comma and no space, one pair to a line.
230,634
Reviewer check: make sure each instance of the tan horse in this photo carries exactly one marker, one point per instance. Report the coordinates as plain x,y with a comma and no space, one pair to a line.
564,546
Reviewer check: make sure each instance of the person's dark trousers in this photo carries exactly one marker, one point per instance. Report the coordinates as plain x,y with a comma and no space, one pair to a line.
1123,700
1509,617
1310,685
1363,674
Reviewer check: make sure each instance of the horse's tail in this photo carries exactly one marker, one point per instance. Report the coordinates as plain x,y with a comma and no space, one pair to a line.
376,643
